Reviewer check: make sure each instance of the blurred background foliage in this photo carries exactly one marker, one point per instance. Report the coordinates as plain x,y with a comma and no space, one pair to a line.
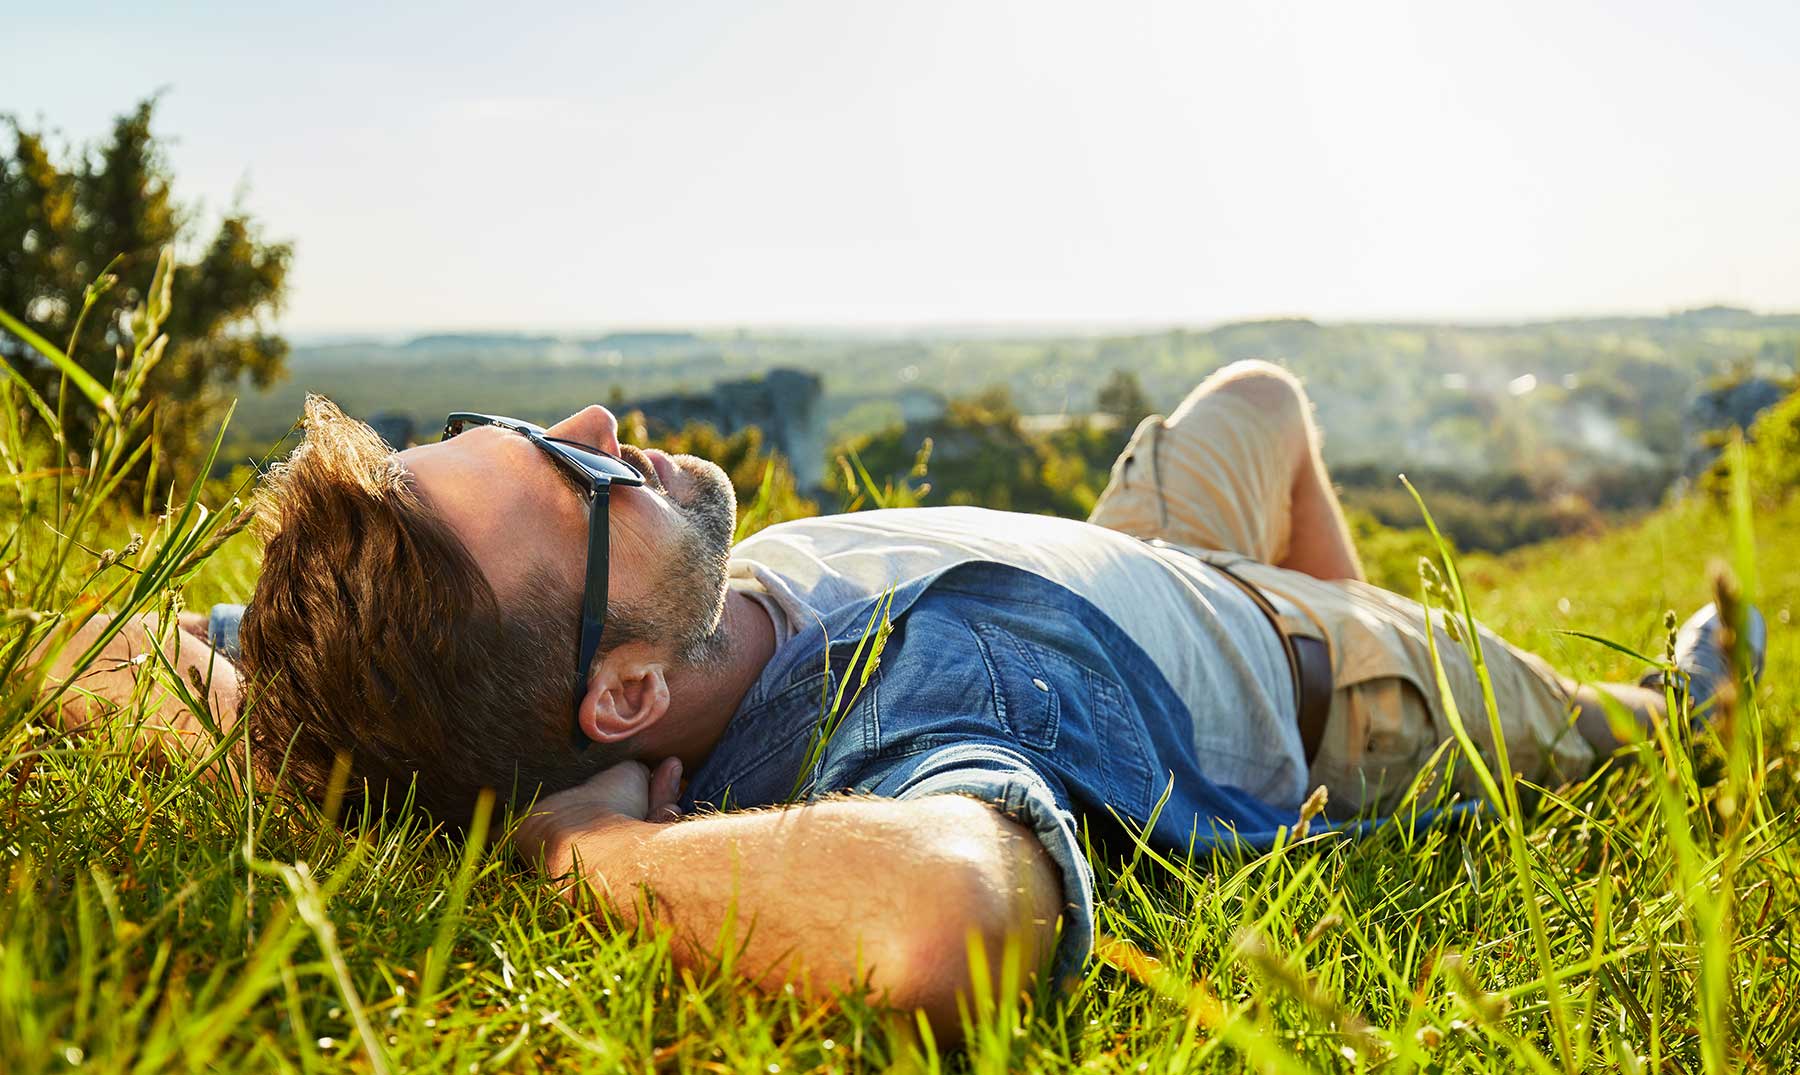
68,212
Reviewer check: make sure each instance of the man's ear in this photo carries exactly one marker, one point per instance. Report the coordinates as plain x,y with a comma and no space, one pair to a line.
627,694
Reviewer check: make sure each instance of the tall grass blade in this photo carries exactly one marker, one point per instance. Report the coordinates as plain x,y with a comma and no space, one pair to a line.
1526,874
82,379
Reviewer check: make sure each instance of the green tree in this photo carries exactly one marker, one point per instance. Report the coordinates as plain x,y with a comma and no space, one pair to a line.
67,216
1772,456
1123,397
981,454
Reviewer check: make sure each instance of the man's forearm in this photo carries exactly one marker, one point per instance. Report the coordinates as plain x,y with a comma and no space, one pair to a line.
834,894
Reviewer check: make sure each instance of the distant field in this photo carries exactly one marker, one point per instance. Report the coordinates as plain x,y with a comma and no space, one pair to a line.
1604,392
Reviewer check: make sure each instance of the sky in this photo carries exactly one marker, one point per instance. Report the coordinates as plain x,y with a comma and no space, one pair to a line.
517,166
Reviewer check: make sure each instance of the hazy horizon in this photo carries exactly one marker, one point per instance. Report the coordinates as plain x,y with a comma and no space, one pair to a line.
722,165
1043,328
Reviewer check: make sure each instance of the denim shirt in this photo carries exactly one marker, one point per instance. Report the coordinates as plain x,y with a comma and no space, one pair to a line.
994,683
998,684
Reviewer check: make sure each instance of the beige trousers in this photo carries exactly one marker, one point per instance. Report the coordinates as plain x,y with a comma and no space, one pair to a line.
1215,477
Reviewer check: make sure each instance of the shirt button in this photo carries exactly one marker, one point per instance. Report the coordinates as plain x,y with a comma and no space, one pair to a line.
1040,684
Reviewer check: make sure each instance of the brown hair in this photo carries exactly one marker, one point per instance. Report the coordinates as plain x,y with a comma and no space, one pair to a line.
373,634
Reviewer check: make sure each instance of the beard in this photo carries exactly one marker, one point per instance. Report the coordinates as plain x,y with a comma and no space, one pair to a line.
686,606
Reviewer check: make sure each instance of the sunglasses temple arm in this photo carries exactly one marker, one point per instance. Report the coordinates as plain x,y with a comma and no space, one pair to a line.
593,603
593,599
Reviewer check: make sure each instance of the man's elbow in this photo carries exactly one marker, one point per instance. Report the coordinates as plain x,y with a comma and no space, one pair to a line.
992,925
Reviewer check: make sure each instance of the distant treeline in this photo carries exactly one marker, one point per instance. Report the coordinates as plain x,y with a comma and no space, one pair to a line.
1492,511
1553,395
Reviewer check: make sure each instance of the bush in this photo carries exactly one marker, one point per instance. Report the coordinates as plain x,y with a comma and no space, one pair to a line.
1390,555
984,455
1773,452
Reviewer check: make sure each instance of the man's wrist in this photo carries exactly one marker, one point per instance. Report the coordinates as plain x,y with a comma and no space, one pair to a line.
222,624
585,847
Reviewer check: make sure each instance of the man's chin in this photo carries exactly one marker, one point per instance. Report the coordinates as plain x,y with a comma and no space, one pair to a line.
696,478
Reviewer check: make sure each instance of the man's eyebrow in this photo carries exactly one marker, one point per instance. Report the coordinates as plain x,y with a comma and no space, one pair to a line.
562,471
569,479
549,460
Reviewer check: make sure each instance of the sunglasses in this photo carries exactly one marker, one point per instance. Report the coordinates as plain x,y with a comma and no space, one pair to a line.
597,472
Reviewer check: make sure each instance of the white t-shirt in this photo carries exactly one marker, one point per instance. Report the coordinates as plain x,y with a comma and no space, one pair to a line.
1210,641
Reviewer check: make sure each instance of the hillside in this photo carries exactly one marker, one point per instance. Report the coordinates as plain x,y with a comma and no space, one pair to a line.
1619,583
1577,393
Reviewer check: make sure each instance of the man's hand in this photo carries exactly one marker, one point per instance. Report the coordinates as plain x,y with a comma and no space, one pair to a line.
111,680
628,790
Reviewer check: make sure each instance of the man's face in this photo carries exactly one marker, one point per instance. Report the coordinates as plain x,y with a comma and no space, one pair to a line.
520,513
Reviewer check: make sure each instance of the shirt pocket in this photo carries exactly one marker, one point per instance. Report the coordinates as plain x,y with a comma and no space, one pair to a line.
1025,700
1385,642
1385,636
1075,716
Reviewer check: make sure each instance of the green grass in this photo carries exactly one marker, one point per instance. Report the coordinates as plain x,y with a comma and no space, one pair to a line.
150,921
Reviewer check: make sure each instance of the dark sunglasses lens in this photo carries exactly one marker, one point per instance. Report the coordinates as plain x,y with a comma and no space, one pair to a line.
597,461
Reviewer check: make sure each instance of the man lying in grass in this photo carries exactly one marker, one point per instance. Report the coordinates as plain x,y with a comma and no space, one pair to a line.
563,618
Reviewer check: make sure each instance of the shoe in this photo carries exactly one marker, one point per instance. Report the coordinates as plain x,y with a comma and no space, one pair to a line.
1700,655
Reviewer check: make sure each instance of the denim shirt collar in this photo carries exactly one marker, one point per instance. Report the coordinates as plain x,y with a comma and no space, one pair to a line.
758,758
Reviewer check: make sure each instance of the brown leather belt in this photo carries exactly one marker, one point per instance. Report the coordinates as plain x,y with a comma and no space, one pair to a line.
1309,661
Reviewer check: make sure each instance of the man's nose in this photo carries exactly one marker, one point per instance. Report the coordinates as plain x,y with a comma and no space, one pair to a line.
594,426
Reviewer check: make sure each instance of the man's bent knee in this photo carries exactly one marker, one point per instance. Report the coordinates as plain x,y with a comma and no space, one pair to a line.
1263,383
1271,389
